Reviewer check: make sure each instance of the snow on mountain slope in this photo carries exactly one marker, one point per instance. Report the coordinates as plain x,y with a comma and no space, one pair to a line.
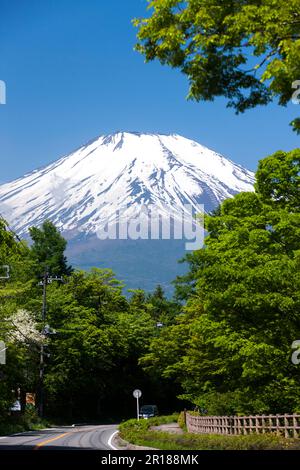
82,191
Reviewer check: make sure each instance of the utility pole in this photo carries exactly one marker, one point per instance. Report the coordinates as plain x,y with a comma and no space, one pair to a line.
46,280
3,348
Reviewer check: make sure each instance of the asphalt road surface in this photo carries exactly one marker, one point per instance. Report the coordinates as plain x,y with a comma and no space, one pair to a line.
64,438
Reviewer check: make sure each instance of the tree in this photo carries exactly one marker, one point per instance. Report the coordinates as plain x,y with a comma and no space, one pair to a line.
93,339
48,250
162,309
247,51
9,245
100,336
278,180
16,328
231,350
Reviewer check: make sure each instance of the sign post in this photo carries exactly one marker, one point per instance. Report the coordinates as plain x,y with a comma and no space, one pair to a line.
137,394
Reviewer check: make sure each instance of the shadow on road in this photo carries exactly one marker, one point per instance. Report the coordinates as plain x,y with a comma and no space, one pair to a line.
31,448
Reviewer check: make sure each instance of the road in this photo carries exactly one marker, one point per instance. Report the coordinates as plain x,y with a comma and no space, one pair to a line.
64,438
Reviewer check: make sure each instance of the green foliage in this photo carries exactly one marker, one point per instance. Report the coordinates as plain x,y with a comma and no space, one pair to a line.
278,180
91,357
296,125
146,423
95,335
8,244
181,420
231,350
12,292
48,250
139,433
163,310
25,422
247,51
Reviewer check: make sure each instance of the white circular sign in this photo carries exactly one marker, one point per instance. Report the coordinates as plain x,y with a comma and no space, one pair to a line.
137,393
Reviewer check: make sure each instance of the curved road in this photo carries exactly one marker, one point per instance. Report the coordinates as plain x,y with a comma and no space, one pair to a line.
64,438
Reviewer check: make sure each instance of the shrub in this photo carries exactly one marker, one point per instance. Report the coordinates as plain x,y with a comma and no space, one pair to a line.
181,421
24,422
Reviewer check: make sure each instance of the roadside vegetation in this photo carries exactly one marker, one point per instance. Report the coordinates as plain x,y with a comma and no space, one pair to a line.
28,421
141,434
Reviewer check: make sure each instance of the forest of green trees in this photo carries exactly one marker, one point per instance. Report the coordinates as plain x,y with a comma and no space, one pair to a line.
223,343
92,335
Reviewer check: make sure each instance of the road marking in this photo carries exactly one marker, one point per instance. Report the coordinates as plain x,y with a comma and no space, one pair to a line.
110,440
41,444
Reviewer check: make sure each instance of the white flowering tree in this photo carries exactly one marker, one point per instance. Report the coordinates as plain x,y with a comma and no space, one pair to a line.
24,329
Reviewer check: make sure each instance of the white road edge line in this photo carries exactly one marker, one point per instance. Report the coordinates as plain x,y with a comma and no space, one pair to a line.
110,440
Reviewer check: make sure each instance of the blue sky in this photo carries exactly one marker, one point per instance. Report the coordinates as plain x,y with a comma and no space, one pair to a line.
72,74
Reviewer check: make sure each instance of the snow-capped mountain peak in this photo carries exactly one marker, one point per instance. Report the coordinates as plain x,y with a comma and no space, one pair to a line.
125,170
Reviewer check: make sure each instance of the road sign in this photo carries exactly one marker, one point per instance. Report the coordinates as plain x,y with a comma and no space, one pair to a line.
137,393
30,399
16,406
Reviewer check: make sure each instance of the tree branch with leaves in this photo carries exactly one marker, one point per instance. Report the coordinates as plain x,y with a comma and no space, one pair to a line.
247,51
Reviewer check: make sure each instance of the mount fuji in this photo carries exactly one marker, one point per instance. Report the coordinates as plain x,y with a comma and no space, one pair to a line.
125,171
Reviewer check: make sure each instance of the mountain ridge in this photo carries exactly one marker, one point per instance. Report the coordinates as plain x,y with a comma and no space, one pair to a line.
81,189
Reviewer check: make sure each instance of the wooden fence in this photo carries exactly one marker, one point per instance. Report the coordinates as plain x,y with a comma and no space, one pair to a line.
282,425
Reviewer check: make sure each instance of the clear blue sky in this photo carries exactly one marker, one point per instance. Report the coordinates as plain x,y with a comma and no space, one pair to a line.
72,74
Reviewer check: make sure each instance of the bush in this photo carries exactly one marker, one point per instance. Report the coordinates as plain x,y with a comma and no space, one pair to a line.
181,421
158,420
24,422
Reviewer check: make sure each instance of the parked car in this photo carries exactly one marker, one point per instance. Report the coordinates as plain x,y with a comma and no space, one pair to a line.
148,411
